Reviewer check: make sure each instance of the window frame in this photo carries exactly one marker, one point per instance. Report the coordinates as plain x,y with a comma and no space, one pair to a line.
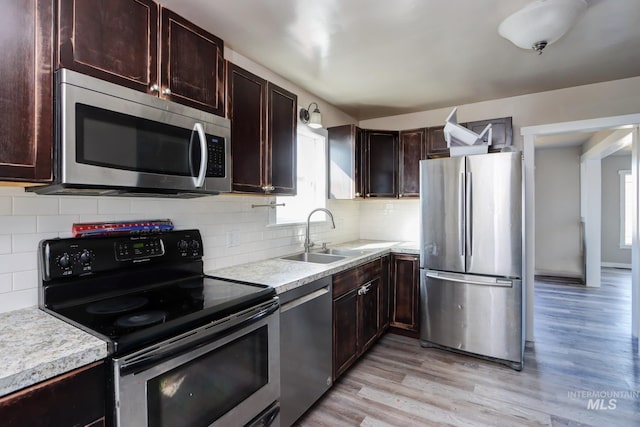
308,132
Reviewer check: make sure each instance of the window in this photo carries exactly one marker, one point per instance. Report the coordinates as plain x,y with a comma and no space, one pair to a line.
626,208
312,180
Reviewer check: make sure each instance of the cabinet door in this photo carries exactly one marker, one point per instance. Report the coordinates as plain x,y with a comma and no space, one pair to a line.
436,144
381,163
345,332
412,150
191,68
406,280
73,399
368,314
26,99
281,140
114,40
502,132
345,145
246,107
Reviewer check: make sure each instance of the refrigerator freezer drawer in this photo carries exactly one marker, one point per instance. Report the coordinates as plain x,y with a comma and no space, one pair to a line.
473,314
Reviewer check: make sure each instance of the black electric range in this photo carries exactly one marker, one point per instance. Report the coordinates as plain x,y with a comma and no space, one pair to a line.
135,290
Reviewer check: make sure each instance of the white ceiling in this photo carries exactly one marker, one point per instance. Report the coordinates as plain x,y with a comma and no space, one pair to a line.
375,58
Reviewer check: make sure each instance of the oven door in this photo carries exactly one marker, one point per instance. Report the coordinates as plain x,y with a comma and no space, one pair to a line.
113,136
226,373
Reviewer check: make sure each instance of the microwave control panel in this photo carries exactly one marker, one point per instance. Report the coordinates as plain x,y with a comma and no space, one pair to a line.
216,167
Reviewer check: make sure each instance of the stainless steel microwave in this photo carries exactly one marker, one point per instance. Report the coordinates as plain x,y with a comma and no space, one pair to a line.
112,140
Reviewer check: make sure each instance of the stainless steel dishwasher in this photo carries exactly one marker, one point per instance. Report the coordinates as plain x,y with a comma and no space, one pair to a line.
305,347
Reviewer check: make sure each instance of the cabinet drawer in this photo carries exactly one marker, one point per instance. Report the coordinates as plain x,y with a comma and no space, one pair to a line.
350,279
345,281
76,398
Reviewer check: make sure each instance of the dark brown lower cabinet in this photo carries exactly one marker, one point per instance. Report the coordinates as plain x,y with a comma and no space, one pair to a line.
357,299
74,399
405,276
385,294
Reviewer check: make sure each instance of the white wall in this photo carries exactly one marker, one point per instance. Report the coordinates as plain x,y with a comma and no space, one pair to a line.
612,253
557,195
390,219
233,232
611,98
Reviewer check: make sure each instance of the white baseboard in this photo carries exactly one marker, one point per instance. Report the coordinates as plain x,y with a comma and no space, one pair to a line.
616,265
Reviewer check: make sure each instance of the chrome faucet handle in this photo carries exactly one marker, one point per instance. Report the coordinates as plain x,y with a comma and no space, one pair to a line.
324,245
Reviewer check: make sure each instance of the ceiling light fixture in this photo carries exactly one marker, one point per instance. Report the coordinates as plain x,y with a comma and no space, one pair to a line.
313,119
541,23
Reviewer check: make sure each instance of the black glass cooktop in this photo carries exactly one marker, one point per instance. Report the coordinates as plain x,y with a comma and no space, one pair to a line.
137,318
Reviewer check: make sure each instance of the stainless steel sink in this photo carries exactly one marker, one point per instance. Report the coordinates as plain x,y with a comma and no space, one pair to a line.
314,257
341,252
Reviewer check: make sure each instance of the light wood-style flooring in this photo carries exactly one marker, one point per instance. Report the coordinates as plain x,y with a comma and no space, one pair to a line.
583,350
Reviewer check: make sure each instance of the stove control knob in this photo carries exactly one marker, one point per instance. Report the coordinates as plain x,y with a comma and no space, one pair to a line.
85,256
195,245
183,245
64,260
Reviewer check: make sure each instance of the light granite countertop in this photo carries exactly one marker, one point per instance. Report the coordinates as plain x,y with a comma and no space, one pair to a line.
35,346
284,275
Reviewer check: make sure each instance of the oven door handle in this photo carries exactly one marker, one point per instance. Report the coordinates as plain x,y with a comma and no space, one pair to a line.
143,359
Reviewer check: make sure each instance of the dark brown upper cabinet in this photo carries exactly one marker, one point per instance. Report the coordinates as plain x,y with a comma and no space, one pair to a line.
501,129
436,144
26,99
263,131
345,162
381,163
124,42
412,149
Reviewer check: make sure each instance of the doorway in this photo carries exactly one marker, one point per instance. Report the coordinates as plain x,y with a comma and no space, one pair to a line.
530,134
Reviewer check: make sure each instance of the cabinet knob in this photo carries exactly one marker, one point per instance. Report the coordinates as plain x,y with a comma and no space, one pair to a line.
358,194
368,194
400,195
154,88
166,91
268,188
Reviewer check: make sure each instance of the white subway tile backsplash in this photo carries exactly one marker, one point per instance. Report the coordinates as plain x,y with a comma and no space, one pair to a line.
18,262
25,219
5,283
6,204
5,244
61,223
36,205
78,205
29,242
19,299
113,205
17,224
25,280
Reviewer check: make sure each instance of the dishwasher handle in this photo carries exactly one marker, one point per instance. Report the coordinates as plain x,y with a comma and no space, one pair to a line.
303,299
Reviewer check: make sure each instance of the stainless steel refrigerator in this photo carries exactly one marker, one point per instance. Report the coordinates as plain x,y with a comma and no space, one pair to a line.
471,296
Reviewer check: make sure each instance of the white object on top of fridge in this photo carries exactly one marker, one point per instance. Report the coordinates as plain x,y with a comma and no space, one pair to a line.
462,141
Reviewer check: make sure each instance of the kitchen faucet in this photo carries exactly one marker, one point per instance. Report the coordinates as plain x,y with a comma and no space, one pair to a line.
307,241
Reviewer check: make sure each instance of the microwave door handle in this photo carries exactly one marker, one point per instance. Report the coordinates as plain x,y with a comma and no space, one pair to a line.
199,180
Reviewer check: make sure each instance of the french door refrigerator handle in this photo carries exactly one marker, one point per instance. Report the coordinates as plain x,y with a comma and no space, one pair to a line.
470,281
461,215
469,214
